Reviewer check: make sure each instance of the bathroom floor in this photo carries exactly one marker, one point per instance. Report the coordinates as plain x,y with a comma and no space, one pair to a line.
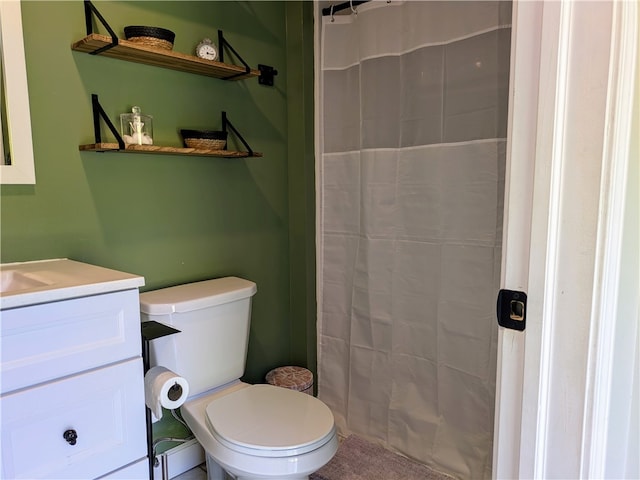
197,473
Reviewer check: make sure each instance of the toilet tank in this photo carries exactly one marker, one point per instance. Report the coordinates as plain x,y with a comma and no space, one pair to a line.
213,317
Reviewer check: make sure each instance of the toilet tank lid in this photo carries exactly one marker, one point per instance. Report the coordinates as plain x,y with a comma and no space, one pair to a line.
195,296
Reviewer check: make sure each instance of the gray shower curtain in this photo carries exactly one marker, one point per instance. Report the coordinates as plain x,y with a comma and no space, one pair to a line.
412,107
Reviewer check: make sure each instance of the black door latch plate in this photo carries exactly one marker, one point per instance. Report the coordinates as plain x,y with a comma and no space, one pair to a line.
512,309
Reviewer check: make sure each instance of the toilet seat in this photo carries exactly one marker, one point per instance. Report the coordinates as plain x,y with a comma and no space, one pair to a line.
270,421
259,462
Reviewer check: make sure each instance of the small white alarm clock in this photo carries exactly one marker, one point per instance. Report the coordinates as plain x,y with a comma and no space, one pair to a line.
207,50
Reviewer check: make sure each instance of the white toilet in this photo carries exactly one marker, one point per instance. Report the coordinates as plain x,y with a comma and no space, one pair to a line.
250,431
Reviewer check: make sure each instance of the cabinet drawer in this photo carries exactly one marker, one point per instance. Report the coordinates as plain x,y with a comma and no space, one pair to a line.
43,342
137,471
106,409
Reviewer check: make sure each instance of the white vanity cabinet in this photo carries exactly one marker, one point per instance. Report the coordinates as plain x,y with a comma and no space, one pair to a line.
72,385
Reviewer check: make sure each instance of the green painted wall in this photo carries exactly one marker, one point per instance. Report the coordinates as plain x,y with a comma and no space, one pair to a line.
300,52
177,219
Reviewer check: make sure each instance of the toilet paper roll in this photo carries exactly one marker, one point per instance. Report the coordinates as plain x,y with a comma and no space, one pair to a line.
164,388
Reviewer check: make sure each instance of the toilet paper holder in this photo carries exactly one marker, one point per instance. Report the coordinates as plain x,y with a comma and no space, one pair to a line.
150,331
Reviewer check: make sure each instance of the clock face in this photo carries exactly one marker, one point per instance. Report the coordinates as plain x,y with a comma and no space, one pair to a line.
208,52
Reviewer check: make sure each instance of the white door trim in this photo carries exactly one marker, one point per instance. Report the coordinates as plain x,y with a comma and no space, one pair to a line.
615,165
552,379
547,219
519,174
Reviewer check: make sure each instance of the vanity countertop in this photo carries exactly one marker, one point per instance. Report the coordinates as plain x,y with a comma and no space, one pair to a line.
30,283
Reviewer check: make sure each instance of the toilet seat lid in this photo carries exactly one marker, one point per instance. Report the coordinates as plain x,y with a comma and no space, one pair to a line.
266,420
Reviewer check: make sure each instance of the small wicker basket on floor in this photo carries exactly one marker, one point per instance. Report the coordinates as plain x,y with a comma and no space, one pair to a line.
293,378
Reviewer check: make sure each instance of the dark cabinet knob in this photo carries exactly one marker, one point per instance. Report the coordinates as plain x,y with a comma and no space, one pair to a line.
71,436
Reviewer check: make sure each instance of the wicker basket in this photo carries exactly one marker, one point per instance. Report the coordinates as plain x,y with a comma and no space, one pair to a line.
293,378
155,37
204,139
205,144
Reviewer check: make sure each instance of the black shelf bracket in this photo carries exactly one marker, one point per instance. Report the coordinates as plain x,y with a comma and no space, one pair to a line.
222,43
226,123
266,72
89,9
98,112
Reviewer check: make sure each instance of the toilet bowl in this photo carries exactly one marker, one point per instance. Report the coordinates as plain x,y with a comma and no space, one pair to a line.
262,432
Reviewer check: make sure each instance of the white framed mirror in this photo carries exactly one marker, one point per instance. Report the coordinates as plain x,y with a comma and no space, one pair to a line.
16,146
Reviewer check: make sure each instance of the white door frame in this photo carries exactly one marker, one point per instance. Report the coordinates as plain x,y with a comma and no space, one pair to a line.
573,65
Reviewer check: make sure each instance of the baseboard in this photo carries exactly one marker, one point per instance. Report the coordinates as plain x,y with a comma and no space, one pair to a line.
178,460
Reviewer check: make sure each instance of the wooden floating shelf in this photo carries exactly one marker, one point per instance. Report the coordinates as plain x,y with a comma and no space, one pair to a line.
113,147
136,52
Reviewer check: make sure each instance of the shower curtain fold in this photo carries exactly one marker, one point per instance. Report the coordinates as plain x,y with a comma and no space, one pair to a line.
412,122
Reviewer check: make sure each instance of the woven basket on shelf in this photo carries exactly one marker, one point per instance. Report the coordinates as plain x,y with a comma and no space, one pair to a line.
204,139
205,143
155,37
153,42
